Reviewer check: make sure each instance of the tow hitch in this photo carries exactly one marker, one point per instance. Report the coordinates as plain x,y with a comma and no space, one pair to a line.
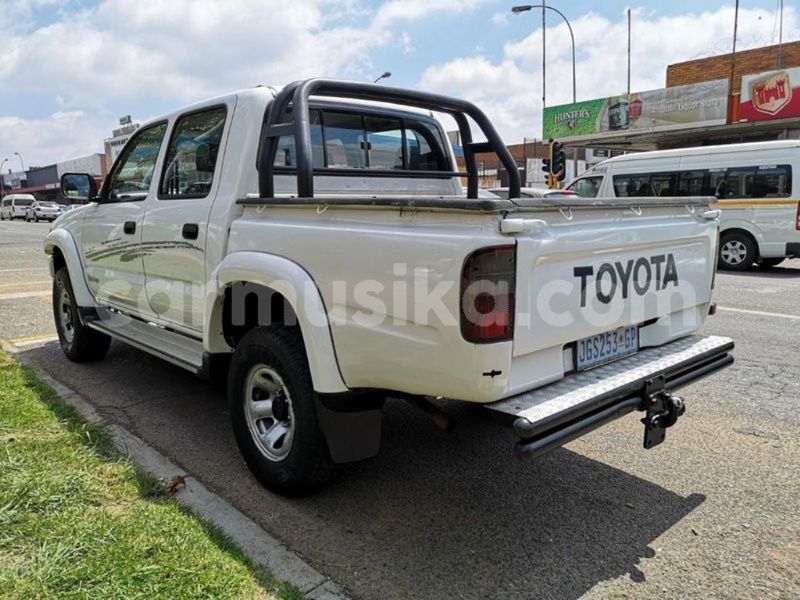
663,410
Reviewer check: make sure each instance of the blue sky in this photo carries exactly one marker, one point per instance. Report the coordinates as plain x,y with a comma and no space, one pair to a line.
71,67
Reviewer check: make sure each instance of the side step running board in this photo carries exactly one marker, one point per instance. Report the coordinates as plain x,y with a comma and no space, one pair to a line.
180,350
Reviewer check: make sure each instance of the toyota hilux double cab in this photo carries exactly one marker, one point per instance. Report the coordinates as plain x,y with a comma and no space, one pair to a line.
315,245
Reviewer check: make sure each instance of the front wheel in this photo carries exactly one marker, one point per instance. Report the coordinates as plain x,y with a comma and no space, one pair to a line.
79,342
737,252
273,412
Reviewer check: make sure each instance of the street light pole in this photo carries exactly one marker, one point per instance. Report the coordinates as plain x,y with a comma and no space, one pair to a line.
386,75
20,161
526,7
2,178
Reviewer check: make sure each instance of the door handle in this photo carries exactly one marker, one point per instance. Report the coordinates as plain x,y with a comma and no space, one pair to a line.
190,231
129,227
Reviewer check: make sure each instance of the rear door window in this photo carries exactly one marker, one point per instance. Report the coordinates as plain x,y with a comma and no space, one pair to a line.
192,154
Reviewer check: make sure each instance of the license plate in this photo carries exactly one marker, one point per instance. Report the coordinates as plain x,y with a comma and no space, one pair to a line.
606,347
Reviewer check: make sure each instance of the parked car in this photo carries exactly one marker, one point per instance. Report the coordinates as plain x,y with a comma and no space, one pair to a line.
15,206
754,184
535,192
320,252
42,210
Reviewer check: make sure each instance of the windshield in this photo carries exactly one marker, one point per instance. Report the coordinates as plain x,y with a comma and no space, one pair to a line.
48,204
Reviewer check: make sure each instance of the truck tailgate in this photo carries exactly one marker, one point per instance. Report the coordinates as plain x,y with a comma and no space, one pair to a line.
590,271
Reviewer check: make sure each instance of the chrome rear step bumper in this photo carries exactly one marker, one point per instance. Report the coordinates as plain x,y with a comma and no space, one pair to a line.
551,416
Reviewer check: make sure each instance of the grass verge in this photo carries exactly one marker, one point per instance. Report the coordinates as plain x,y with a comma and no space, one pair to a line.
79,521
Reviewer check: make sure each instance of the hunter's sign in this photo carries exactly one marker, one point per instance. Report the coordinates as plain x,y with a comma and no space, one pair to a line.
770,95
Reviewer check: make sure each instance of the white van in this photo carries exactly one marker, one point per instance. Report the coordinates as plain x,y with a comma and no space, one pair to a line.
760,219
15,206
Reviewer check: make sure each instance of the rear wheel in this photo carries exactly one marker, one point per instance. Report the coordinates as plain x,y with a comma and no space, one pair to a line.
273,412
79,342
768,263
737,252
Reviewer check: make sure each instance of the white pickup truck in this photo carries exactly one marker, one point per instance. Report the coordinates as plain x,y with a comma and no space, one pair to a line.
316,244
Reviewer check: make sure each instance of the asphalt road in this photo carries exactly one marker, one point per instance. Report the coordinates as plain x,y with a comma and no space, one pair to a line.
712,512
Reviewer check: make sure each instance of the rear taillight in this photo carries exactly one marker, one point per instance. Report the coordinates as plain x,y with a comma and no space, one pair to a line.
797,221
487,295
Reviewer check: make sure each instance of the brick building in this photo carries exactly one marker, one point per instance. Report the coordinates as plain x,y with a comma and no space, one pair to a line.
747,62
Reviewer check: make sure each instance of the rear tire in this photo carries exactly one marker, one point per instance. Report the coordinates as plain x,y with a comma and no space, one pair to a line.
79,342
273,412
737,251
768,263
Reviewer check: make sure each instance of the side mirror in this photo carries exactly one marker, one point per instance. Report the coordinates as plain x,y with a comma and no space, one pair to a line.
79,186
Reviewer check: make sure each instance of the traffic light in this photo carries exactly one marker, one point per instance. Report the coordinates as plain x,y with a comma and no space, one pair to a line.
547,165
559,161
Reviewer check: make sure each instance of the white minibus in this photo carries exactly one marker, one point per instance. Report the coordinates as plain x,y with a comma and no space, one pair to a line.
754,182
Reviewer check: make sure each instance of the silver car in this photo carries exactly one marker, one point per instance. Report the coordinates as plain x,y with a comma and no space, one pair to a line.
42,210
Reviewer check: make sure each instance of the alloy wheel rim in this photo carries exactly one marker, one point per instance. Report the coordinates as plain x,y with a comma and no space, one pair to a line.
65,316
269,412
733,252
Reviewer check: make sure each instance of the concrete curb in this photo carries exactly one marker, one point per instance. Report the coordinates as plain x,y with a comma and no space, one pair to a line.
256,543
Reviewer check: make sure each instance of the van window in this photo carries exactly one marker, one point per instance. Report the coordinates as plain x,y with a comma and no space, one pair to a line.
691,183
192,154
773,182
6,201
739,182
587,187
22,201
632,186
663,184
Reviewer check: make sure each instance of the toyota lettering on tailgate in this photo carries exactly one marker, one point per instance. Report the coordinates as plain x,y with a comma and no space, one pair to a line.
619,278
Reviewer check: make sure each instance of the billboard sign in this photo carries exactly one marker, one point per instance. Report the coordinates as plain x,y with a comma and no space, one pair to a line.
695,105
770,95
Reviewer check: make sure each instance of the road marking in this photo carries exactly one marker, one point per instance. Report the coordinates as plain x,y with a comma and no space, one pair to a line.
759,313
5,285
19,295
32,341
23,270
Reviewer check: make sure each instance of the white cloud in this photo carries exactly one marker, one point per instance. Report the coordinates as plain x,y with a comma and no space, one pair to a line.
179,51
510,89
59,136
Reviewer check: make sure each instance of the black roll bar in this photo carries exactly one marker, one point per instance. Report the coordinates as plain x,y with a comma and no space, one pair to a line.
297,95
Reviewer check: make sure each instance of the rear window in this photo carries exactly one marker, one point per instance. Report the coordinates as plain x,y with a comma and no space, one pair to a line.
23,202
347,140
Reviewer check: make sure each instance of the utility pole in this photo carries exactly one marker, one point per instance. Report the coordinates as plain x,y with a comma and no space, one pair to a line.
779,58
629,53
544,52
733,53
